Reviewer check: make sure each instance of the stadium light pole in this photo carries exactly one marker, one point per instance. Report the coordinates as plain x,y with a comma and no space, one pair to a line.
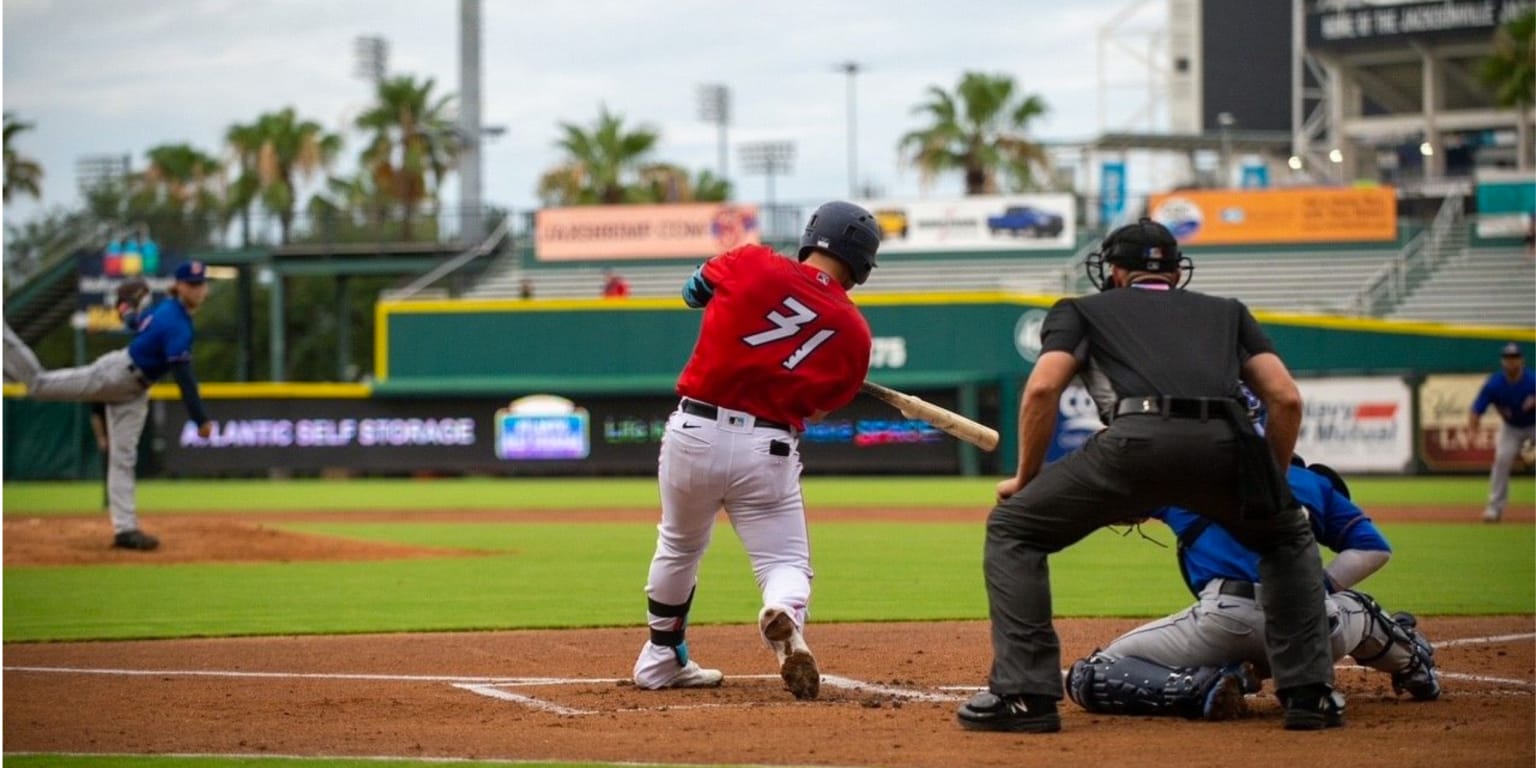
715,108
769,158
851,69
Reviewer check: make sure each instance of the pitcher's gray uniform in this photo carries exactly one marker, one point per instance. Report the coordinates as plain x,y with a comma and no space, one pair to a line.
121,379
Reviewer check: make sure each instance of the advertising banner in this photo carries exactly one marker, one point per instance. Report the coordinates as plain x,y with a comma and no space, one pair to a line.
1272,216
983,223
1077,420
606,232
533,435
100,272
1445,442
1111,190
1357,424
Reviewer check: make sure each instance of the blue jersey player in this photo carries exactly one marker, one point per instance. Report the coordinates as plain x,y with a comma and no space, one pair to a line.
1199,662
1511,391
162,345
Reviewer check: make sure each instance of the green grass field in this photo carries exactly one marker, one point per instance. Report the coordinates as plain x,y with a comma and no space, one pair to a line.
545,574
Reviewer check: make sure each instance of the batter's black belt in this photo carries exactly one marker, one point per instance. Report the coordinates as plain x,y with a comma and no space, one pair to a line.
139,376
1234,588
708,411
1202,408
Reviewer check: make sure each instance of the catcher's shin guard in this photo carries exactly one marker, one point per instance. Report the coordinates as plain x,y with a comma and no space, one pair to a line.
1394,644
1133,686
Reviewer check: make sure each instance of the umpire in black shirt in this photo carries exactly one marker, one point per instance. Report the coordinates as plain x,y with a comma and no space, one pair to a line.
1163,365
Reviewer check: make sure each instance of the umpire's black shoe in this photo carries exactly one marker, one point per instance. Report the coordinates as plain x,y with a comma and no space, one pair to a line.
1313,709
987,711
135,539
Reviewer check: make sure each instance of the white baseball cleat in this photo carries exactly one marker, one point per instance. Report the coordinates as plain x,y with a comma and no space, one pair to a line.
1491,515
658,667
695,676
796,664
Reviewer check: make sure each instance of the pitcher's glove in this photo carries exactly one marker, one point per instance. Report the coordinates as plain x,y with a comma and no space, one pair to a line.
132,296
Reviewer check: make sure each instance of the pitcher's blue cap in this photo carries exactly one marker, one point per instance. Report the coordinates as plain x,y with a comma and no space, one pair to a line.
193,272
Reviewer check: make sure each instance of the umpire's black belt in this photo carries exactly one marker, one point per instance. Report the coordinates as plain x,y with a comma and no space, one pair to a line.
1201,408
711,412
1235,588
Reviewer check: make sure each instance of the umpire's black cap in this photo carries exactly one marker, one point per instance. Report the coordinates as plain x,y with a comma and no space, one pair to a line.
1146,246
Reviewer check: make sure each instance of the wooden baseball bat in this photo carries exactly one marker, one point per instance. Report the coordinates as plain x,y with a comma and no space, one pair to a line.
913,407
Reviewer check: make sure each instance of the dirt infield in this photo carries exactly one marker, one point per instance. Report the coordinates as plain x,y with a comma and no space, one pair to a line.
888,698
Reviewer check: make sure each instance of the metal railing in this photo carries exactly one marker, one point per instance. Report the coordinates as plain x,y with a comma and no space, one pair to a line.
1390,285
488,245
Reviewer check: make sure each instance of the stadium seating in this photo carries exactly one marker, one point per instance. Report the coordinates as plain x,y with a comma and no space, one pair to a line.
1482,286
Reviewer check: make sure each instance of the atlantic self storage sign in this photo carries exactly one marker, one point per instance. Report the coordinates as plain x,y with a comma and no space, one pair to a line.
1357,424
1314,215
601,232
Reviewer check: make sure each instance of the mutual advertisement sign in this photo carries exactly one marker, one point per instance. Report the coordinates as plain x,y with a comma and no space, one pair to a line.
1314,215
1357,424
605,232
534,435
1445,442
982,223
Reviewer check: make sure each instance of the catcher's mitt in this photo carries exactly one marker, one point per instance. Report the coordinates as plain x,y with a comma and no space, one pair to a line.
132,295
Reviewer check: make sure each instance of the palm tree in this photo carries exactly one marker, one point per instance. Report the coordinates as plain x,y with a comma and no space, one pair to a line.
180,193
603,163
978,130
412,144
244,142
22,173
290,147
1511,72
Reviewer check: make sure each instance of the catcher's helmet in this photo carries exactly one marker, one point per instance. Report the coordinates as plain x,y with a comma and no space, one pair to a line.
1145,246
846,231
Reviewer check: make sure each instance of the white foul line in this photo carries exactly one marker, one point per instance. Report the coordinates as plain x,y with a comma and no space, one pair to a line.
1482,640
905,693
528,701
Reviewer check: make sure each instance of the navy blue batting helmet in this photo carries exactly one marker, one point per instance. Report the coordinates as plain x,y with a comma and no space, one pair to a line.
846,231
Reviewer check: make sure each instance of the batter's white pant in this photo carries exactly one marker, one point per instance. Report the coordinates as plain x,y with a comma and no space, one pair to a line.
728,462
110,379
1504,454
1224,629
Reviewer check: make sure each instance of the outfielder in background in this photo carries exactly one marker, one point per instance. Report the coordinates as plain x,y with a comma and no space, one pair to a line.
121,378
1200,662
780,343
1511,391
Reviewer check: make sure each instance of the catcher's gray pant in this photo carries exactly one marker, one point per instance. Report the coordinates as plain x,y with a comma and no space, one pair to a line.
1223,629
1504,454
1137,464
111,379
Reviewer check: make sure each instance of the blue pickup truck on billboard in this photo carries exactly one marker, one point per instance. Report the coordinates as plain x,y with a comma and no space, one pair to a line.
1028,220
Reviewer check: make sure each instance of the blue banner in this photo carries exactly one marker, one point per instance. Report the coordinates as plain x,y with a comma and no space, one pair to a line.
1111,190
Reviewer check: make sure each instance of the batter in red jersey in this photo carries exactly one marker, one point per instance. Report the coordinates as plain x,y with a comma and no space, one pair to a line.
781,343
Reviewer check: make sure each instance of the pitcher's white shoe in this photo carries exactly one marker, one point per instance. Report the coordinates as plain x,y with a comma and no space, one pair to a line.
658,668
796,664
1491,515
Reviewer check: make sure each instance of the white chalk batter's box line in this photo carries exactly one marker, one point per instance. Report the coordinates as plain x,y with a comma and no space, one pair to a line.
497,687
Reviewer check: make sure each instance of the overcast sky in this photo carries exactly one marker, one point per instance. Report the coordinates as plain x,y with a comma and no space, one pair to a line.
120,76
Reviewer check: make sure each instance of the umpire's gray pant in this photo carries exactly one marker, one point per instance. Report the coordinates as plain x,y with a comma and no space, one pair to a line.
1138,464
111,379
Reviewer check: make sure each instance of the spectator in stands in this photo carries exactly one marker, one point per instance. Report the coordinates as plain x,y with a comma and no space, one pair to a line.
614,285
525,289
1511,391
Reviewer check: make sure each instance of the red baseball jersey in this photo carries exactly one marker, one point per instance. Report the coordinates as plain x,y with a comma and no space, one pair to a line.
780,340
